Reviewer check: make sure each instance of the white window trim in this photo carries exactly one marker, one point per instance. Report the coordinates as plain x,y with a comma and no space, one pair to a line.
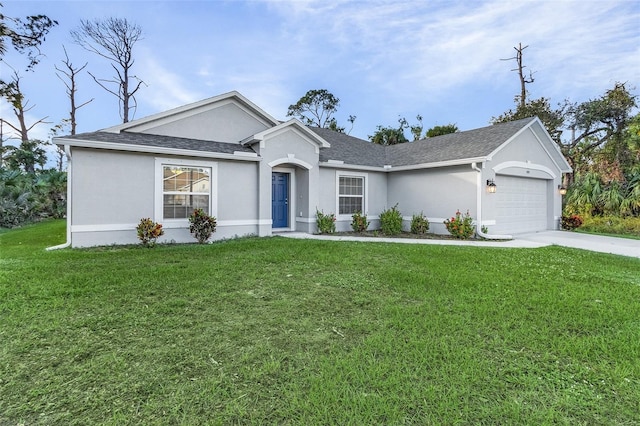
365,191
158,195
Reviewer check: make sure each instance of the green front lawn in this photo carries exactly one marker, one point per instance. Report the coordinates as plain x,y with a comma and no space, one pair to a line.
280,331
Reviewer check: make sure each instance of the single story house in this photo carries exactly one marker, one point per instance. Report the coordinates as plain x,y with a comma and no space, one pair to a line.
259,175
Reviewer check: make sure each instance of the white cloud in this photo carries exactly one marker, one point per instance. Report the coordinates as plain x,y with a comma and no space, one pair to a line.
164,89
437,47
381,58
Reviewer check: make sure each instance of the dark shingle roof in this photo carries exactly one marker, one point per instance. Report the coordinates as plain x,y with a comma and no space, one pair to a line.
455,146
349,149
144,139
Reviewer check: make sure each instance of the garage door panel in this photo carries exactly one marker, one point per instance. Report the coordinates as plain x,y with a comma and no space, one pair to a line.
521,205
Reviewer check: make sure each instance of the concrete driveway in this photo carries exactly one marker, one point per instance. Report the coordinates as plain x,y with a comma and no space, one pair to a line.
620,246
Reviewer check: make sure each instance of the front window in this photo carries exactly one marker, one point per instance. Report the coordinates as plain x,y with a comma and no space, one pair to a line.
185,189
351,195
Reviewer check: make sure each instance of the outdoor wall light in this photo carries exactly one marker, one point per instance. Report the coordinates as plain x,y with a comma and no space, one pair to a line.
491,186
562,189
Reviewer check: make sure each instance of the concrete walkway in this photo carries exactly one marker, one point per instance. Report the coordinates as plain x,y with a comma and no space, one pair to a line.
598,243
619,246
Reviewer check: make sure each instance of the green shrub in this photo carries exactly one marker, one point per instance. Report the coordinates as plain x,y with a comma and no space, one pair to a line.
202,225
148,232
460,227
30,197
391,221
326,222
359,222
571,222
419,224
612,225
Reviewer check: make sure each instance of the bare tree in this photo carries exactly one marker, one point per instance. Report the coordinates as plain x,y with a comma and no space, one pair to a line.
70,83
523,80
114,39
13,94
67,75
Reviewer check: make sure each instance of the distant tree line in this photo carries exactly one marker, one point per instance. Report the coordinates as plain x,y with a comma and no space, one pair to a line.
318,106
27,191
600,138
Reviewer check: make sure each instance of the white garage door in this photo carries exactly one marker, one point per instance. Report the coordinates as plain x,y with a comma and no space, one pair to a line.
521,205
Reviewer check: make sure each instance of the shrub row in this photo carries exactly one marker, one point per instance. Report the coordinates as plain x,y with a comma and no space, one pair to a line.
458,226
612,225
201,225
390,222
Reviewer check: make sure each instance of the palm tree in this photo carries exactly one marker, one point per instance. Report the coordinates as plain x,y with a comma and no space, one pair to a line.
585,194
611,199
631,203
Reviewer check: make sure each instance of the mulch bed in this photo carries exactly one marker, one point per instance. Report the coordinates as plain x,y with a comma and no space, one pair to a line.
375,234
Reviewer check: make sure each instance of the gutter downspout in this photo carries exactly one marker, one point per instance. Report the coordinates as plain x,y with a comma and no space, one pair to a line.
67,151
479,210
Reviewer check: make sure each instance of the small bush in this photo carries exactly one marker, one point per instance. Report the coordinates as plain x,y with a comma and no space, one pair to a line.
571,222
460,227
359,222
391,221
148,232
612,225
202,225
419,224
326,222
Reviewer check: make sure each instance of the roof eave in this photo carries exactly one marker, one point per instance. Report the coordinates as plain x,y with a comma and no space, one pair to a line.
390,168
436,164
336,165
82,143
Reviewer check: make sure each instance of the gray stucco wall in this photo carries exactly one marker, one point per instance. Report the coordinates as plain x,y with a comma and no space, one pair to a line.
112,191
303,216
378,197
525,148
436,192
327,190
225,123
289,142
237,194
111,187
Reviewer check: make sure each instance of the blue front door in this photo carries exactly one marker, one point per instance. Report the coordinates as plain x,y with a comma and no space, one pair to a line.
280,200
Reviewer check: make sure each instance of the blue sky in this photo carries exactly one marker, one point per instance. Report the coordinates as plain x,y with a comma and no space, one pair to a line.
383,59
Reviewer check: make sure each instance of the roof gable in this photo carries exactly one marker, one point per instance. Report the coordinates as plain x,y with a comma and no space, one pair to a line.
228,118
294,124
